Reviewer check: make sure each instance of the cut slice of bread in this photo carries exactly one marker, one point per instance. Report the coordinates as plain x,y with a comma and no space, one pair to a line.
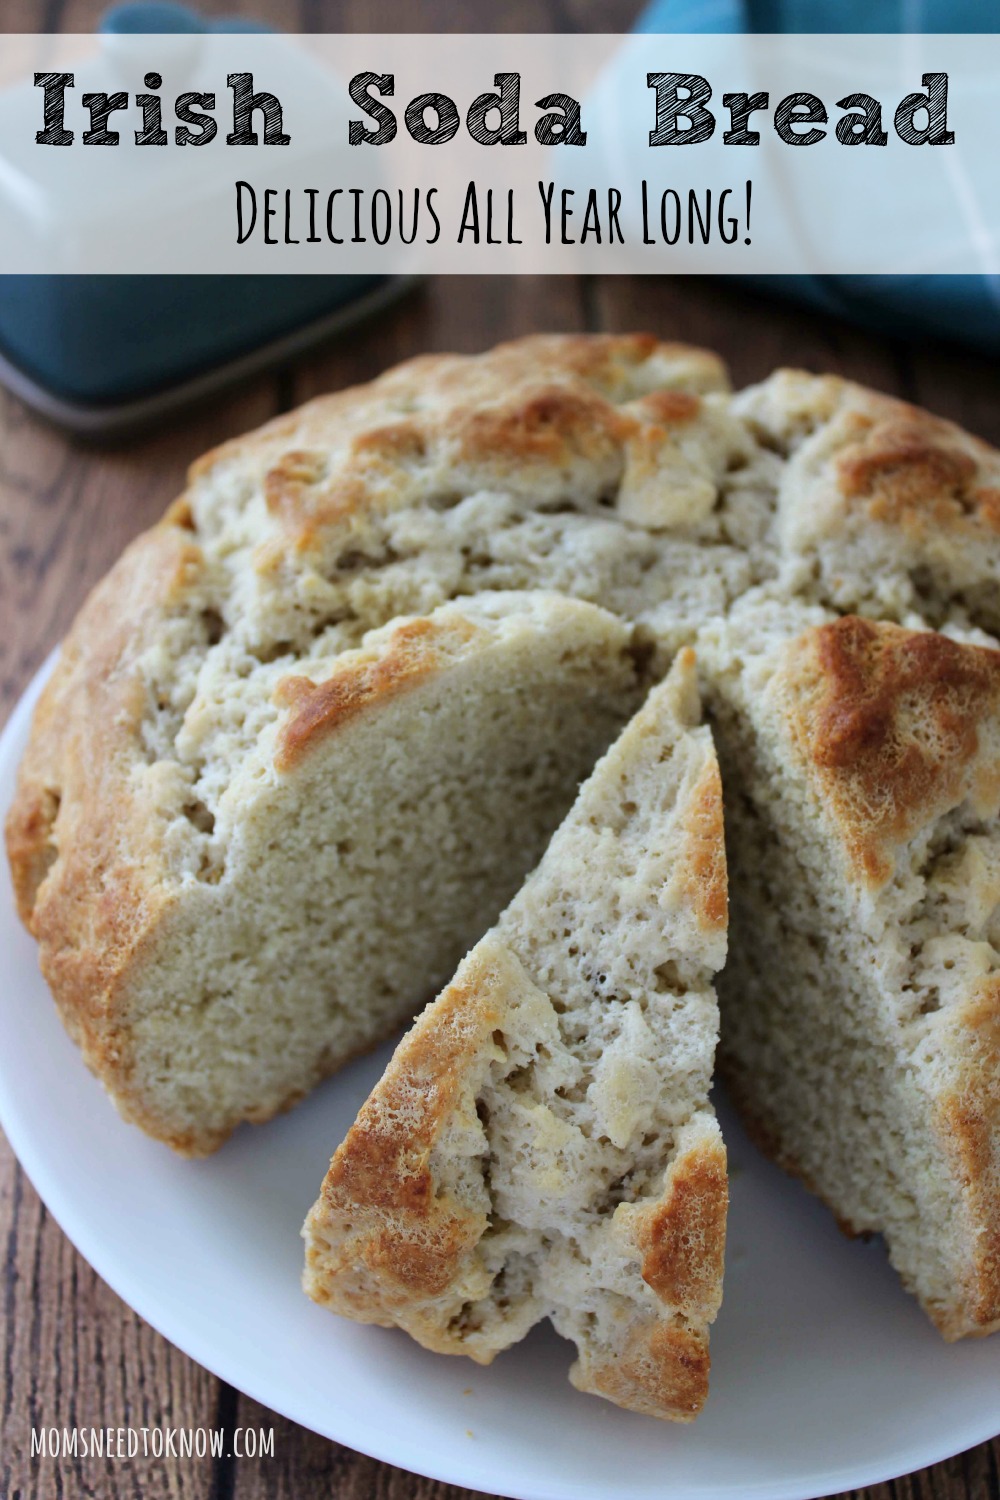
215,962
861,1007
541,1144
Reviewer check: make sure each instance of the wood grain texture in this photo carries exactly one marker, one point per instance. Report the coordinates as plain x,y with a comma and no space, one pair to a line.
430,16
753,333
66,512
73,1354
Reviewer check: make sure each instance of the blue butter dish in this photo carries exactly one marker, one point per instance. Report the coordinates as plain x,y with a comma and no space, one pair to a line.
102,353
99,354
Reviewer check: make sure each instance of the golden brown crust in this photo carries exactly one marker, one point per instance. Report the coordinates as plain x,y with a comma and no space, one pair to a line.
547,424
886,464
31,847
682,1238
888,722
897,728
663,1368
386,1245
364,680
534,406
907,469
706,850
968,1125
94,906
671,408
383,1242
662,1372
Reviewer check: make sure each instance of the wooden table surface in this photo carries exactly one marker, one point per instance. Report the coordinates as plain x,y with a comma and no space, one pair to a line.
73,1354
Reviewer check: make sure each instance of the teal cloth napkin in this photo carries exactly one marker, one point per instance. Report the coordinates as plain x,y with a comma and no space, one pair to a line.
966,308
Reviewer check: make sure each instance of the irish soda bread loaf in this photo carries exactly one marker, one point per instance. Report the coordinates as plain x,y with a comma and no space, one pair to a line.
309,736
541,1144
861,1017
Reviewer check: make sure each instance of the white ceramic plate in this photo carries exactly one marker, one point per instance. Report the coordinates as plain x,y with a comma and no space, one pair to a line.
825,1376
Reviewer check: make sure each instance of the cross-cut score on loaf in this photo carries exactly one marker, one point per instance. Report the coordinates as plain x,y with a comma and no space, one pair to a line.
542,1144
861,1006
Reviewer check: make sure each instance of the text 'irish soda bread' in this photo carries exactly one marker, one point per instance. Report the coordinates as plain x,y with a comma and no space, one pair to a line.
861,1012
541,1144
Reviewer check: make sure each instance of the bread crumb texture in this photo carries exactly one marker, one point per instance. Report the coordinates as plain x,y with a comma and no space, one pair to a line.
542,1144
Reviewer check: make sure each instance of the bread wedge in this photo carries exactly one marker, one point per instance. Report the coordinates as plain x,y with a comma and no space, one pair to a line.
861,1004
542,1143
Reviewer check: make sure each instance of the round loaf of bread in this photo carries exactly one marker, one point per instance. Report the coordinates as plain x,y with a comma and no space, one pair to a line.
306,740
